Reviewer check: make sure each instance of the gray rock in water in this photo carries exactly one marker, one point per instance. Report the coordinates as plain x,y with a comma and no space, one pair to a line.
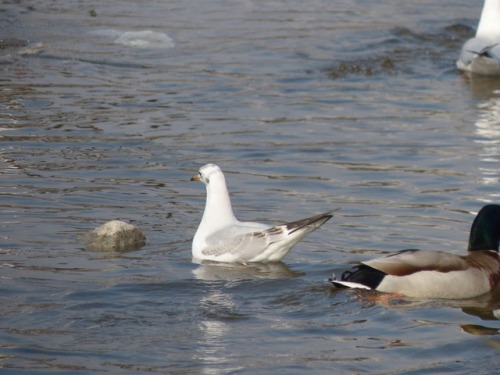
115,235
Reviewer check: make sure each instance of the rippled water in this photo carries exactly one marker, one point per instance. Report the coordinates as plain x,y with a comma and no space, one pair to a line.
306,106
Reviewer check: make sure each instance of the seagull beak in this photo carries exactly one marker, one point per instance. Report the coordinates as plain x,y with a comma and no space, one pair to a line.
196,177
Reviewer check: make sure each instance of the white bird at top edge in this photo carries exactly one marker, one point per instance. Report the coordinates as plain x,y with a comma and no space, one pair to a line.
481,54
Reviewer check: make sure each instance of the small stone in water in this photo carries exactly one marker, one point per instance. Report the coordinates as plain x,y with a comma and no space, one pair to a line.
115,235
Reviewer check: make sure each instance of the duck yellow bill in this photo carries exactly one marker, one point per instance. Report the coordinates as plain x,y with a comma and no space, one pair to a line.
196,177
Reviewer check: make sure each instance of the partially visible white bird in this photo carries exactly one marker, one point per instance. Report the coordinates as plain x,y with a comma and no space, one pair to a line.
221,237
481,54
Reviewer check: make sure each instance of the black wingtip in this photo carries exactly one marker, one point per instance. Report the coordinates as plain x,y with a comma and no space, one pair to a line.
316,221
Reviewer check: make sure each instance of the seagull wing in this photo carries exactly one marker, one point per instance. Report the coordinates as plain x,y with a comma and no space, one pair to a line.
249,242
242,247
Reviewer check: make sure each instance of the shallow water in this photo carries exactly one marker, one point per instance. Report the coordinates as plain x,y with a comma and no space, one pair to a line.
306,106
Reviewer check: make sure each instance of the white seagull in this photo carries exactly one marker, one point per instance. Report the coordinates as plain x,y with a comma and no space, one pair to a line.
481,54
223,238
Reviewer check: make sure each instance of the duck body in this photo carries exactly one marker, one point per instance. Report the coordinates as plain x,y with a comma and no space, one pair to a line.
223,238
436,274
481,54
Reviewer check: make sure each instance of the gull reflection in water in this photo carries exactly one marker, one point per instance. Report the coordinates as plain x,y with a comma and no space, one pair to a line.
219,311
209,270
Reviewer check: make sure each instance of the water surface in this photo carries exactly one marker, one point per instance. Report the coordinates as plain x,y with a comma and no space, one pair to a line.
306,106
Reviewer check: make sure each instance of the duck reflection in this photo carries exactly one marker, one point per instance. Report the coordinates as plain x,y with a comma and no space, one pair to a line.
487,309
484,314
209,270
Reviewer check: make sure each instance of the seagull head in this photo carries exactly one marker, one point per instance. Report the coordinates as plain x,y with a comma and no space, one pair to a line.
206,172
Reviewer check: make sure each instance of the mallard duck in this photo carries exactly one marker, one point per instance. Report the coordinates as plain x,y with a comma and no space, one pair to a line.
436,274
221,237
481,54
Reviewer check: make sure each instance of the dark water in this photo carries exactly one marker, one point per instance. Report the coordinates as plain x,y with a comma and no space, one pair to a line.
306,106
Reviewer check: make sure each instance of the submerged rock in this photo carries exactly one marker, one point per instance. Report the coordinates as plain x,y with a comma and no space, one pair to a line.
115,235
145,39
12,43
137,39
401,51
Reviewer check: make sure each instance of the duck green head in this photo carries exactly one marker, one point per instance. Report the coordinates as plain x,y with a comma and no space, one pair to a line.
485,230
